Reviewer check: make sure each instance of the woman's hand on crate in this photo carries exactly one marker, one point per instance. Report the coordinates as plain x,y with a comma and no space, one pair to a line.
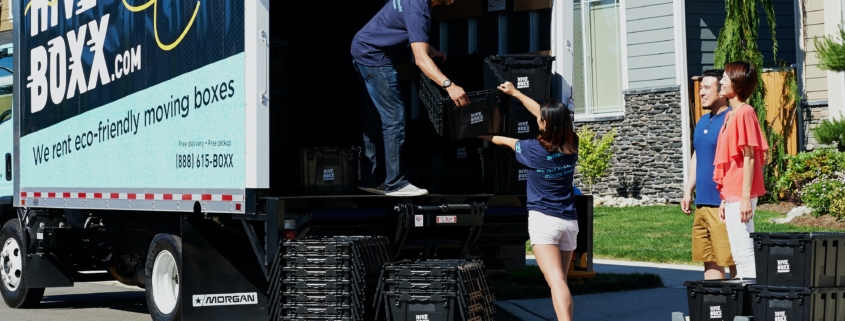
508,88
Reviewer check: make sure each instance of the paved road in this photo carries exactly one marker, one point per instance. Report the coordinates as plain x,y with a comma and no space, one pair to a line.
90,301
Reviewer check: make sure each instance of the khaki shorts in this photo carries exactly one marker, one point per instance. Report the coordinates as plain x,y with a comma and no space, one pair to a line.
710,237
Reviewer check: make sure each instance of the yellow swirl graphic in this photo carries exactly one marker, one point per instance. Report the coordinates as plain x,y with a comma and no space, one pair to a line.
49,3
140,8
154,3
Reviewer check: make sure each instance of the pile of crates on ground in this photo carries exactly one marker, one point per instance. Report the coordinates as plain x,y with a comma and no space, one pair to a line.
353,278
438,290
330,278
800,276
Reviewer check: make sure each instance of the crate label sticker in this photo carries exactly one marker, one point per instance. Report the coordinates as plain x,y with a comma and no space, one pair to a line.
495,5
447,219
422,317
328,174
780,316
522,127
462,152
716,312
523,175
522,82
783,266
209,300
418,220
476,117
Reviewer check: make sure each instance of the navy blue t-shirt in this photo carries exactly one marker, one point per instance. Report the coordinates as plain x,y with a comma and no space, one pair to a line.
705,151
385,39
550,178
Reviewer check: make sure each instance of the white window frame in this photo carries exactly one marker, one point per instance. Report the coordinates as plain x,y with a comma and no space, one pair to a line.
587,115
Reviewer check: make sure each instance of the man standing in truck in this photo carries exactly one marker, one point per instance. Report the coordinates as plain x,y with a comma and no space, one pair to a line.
376,49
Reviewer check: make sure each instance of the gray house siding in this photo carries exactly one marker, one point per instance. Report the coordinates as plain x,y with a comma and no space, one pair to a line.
705,19
651,43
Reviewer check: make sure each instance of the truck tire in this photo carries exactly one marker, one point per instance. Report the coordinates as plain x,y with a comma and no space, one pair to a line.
163,268
12,270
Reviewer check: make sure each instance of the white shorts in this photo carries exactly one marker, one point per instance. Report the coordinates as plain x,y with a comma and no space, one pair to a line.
547,229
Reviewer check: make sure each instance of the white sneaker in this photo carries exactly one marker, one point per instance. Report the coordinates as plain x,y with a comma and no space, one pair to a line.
409,190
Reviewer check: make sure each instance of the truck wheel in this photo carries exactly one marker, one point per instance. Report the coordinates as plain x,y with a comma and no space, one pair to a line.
164,265
12,270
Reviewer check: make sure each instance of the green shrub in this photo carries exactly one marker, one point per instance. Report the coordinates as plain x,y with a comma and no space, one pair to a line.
837,204
594,155
820,193
831,132
806,167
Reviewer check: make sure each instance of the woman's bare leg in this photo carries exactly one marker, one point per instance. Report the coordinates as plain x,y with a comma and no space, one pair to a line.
551,264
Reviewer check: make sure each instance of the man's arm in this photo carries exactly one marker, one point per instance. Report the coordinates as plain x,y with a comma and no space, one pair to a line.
685,203
426,64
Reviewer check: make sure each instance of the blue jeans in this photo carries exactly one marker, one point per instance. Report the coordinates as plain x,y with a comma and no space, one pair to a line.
383,126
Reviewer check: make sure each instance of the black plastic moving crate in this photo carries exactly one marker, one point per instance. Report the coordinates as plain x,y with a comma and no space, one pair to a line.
328,278
503,174
330,170
800,259
519,122
718,300
777,303
421,279
530,74
404,306
484,113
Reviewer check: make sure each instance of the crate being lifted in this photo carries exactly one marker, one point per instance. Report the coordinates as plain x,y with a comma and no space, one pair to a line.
483,115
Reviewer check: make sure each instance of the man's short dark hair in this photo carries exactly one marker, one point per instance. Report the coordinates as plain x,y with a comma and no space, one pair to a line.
718,73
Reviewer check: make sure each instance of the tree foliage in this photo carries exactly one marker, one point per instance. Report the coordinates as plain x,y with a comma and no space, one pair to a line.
737,41
831,53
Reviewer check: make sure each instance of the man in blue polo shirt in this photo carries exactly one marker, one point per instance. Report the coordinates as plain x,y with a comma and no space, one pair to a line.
709,235
376,48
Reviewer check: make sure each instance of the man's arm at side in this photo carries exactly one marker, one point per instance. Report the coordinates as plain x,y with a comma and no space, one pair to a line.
685,203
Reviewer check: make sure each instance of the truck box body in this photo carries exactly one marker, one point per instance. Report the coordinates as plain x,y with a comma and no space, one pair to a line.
142,107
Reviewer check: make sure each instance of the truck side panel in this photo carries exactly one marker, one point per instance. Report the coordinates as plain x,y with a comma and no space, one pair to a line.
131,102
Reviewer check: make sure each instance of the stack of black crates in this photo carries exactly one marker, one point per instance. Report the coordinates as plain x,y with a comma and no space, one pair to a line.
436,290
800,276
532,76
331,278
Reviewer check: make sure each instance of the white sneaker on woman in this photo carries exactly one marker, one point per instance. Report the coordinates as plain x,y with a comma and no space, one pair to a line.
409,190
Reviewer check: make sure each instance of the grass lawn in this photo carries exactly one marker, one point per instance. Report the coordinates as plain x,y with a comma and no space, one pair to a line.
530,284
660,233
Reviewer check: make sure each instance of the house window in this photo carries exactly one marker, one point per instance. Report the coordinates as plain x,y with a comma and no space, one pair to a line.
597,58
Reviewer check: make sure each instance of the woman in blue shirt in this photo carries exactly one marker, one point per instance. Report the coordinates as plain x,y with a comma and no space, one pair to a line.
552,222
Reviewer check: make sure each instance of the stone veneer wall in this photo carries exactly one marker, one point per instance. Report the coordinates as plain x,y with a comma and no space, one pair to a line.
648,155
813,114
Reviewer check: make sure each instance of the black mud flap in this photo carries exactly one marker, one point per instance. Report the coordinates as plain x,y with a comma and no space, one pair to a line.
221,279
44,270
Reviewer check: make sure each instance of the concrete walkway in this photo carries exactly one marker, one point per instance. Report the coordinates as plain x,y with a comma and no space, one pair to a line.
647,305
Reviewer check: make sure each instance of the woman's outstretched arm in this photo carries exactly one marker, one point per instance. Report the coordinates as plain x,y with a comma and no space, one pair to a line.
501,140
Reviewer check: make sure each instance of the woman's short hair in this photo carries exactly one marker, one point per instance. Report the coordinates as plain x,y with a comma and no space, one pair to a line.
743,78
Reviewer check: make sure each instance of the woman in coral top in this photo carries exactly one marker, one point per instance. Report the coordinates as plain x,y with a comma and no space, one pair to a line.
740,156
